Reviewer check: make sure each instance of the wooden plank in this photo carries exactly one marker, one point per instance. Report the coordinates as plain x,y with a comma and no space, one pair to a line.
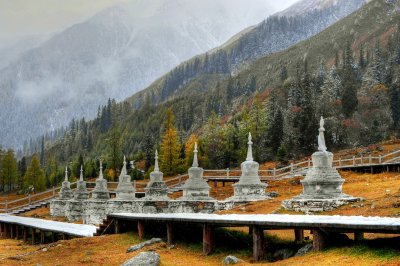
170,234
140,227
258,243
208,244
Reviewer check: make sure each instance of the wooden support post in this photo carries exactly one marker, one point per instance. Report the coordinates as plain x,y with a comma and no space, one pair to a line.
6,230
24,234
208,244
11,231
140,227
319,240
223,183
170,234
250,230
215,183
298,235
64,237
16,231
53,237
116,226
258,243
358,236
1,230
42,237
33,233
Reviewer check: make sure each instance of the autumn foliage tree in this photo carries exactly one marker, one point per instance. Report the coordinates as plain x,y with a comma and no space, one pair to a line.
170,148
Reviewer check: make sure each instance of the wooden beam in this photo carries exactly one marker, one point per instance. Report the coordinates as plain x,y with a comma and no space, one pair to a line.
298,235
1,230
319,240
53,237
258,243
170,234
208,244
358,236
140,227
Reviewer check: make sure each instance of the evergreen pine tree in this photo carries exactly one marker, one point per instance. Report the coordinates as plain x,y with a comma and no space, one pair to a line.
34,175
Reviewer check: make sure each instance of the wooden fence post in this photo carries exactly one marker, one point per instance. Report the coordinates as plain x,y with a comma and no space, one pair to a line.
354,160
380,159
227,172
362,159
340,161
370,159
274,173
29,198
54,191
291,168
6,206
309,163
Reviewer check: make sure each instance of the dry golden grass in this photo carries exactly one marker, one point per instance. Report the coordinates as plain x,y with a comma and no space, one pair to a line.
381,199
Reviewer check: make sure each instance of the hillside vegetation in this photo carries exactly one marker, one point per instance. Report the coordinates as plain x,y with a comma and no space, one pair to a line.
347,73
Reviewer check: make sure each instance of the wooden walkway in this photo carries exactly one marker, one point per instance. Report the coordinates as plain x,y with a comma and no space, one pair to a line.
320,226
40,230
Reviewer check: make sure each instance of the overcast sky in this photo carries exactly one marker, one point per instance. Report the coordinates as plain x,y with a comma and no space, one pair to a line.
23,18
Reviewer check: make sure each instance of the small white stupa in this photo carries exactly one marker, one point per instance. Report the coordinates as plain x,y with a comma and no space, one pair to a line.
249,187
196,188
100,191
81,192
66,191
156,189
125,190
322,186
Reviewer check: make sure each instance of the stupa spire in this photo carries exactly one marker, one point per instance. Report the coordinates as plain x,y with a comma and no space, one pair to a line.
321,137
124,171
81,176
66,174
195,160
249,150
156,167
101,170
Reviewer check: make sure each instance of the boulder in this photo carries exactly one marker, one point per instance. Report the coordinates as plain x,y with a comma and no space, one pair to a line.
143,259
231,260
143,244
307,248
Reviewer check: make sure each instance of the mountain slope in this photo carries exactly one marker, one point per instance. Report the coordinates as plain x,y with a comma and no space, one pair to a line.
277,33
235,101
115,53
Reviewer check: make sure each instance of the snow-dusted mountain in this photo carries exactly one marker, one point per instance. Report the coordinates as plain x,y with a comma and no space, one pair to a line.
112,55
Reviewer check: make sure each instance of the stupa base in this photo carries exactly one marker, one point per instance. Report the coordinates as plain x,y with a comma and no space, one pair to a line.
308,205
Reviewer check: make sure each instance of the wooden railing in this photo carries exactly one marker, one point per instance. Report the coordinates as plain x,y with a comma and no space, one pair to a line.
290,171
